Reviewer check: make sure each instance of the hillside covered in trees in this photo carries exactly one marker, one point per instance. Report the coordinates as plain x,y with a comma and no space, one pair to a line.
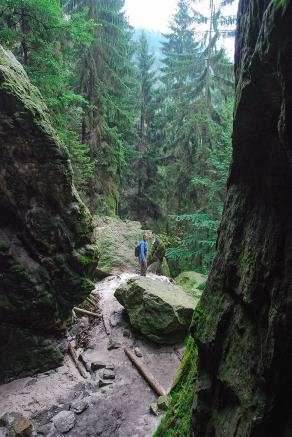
147,126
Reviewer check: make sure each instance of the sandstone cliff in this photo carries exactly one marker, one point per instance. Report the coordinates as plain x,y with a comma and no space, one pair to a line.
45,230
244,326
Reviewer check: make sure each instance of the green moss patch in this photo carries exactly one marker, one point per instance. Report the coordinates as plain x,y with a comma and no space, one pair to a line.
177,421
192,282
4,245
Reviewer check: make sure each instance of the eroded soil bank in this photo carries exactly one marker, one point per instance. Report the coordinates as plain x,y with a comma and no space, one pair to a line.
120,409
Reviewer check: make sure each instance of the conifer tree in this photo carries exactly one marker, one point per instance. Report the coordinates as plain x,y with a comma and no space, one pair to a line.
146,80
194,129
183,64
47,43
106,80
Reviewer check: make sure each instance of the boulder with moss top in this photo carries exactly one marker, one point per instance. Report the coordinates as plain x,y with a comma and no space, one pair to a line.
158,309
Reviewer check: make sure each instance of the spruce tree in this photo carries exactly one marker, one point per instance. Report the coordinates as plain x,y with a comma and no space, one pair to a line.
182,68
197,94
47,43
146,80
106,80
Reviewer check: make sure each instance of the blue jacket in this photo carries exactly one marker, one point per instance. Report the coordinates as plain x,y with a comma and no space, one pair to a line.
143,251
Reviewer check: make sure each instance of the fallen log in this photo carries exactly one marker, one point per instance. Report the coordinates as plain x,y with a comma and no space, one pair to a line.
87,313
107,329
75,360
93,297
91,302
154,384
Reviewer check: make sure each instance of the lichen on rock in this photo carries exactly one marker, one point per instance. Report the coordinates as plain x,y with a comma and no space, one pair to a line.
45,230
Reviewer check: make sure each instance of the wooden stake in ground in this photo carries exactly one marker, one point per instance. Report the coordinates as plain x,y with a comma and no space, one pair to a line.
87,313
73,355
154,384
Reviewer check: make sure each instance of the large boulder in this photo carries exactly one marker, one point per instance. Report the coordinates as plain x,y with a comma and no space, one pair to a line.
45,230
117,240
158,309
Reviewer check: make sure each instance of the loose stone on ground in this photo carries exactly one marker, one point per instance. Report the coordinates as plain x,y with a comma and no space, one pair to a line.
64,421
14,424
79,406
118,406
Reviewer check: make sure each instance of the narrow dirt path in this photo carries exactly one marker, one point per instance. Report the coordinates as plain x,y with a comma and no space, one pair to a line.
119,409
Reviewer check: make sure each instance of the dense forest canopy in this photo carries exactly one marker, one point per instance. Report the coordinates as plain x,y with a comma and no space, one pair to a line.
146,117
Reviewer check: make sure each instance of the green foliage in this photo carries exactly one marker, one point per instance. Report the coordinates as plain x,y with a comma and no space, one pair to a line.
177,421
47,42
169,240
281,4
165,137
106,79
194,133
4,245
143,158
85,260
201,316
199,228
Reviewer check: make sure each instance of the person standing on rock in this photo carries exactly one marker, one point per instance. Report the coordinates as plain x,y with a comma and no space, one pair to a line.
143,246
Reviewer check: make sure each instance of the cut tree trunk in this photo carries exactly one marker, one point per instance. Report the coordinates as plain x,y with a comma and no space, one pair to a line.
87,313
154,384
73,355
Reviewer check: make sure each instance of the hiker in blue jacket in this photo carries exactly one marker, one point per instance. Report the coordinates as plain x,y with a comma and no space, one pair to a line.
143,254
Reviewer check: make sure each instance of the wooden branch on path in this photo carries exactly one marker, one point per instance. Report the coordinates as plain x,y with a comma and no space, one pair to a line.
107,329
87,313
73,355
93,298
91,302
147,375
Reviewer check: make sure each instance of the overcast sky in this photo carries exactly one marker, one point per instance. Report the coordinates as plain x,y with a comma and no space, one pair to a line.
155,14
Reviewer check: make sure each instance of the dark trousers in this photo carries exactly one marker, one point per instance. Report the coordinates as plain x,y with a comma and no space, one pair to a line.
143,265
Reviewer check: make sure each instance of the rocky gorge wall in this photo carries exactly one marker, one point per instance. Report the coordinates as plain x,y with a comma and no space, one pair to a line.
243,327
45,231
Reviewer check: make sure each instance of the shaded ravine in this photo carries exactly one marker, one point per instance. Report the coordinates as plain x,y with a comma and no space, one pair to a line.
120,409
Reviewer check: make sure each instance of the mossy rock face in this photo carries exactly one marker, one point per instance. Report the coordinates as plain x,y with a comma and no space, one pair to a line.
117,240
243,328
192,282
160,268
45,230
157,252
165,268
177,421
159,310
156,259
